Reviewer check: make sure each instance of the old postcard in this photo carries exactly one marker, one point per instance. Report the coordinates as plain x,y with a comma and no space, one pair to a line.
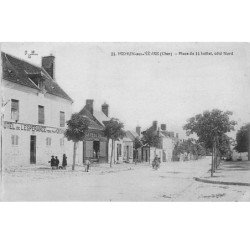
125,122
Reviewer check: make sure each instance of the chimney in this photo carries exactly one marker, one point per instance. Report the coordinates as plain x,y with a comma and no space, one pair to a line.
163,127
138,130
155,125
48,63
105,109
90,105
177,135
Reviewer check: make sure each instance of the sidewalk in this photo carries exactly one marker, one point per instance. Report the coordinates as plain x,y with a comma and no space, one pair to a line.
229,173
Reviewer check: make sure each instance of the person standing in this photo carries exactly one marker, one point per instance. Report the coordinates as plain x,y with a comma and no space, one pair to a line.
64,161
87,162
52,161
56,162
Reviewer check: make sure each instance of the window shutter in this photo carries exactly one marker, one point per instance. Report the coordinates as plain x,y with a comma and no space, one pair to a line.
40,114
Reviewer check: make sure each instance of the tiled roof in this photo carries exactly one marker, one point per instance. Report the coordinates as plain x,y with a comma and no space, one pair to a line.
100,116
18,71
94,124
132,134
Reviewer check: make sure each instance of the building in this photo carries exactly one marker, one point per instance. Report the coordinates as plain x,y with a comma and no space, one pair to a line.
128,150
35,109
96,147
164,150
135,137
167,141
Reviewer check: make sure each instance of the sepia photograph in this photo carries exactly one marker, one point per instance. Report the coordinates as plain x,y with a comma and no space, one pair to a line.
158,122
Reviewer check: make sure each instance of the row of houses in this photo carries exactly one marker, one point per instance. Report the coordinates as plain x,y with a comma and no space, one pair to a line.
33,120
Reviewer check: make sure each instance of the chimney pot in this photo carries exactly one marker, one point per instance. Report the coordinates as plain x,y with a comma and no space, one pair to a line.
155,125
138,130
105,109
48,63
163,127
90,105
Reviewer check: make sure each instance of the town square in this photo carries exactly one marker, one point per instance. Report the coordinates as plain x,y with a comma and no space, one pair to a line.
87,122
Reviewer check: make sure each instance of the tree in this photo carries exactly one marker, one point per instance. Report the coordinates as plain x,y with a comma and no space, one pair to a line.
151,137
224,146
210,126
113,131
189,147
243,140
78,126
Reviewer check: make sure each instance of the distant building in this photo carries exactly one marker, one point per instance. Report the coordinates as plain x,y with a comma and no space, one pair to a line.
35,111
165,148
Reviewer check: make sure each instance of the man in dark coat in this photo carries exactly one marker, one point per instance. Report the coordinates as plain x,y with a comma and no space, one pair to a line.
52,161
64,161
56,162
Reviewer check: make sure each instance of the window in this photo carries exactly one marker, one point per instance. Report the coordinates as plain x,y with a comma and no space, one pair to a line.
48,141
14,109
62,119
14,140
62,142
40,114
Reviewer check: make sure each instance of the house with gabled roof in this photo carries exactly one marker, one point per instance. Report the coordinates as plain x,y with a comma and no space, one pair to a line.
96,146
35,111
164,150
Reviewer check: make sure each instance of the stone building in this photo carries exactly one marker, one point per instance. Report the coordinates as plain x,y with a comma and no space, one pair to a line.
35,109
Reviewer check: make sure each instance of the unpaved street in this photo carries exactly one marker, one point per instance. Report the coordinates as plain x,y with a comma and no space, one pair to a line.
124,182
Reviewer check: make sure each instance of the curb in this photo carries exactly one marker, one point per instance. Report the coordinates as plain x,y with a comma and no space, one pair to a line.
222,182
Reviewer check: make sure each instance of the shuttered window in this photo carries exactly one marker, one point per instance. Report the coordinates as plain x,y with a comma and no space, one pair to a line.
48,141
14,140
14,109
62,119
41,114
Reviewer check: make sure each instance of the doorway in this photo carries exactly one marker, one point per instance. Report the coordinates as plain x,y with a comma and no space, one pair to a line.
32,149
96,147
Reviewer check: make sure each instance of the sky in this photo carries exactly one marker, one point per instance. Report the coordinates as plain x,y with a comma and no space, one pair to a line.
141,89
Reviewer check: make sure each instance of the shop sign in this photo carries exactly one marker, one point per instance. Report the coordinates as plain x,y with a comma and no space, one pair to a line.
33,128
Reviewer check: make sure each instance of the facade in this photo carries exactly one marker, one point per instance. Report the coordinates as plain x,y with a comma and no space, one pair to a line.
166,146
96,147
236,156
34,115
128,150
132,136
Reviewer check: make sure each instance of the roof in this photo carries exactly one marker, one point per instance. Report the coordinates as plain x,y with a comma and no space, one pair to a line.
93,123
127,139
132,134
100,116
20,72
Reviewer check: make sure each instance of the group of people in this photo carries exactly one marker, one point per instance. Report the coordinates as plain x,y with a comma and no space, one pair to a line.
54,162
